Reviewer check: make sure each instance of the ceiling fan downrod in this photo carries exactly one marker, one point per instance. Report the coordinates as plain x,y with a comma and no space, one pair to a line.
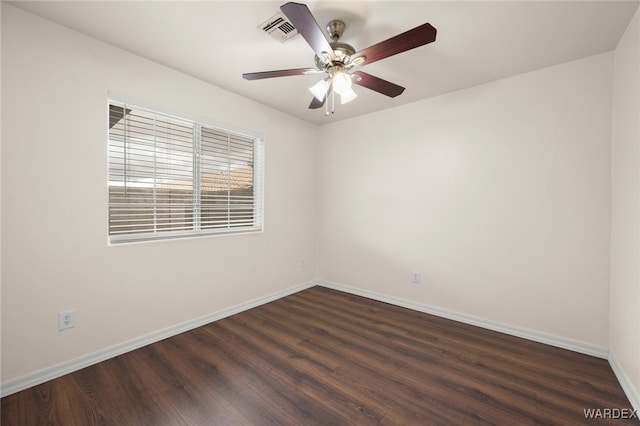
335,29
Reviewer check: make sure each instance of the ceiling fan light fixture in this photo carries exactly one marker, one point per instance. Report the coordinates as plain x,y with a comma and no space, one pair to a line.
347,96
319,90
341,82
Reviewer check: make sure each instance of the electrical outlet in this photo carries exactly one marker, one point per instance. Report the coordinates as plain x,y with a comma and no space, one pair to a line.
415,277
66,319
303,263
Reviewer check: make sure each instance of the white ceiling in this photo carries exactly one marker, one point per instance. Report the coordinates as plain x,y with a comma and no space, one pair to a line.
477,42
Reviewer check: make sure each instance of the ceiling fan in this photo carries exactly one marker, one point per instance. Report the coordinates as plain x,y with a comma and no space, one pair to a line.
337,59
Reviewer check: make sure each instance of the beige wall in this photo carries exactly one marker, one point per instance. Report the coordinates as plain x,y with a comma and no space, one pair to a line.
499,195
624,323
54,203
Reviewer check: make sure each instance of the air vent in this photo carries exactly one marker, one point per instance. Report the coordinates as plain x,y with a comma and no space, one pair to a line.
279,27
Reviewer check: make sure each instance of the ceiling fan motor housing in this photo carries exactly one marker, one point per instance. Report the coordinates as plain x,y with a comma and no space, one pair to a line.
341,55
342,52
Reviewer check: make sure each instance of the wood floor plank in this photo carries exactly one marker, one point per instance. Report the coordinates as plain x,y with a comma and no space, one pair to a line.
202,396
373,374
268,399
316,398
322,356
324,364
44,404
103,398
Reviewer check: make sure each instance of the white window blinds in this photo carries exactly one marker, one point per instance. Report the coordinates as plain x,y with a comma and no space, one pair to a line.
172,177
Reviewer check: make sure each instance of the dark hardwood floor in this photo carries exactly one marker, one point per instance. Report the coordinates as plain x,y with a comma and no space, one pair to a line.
325,357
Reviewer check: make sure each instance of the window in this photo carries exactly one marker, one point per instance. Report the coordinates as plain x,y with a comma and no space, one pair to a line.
175,177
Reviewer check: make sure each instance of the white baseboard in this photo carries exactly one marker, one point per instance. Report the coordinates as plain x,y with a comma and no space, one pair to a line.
49,373
630,390
536,336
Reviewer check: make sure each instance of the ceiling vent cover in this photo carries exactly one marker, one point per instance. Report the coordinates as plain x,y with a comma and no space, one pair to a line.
279,27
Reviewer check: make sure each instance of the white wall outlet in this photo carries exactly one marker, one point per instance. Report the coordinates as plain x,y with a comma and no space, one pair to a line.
303,263
66,319
415,277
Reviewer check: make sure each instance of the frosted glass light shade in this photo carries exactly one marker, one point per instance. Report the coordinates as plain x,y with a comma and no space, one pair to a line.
347,96
319,90
341,82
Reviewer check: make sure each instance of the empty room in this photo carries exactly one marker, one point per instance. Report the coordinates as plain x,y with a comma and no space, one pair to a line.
367,212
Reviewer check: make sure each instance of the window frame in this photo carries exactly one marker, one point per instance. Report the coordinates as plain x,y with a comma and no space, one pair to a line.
199,124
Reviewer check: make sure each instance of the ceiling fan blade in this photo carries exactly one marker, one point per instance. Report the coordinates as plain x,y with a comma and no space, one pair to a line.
279,73
377,84
419,36
315,103
301,18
